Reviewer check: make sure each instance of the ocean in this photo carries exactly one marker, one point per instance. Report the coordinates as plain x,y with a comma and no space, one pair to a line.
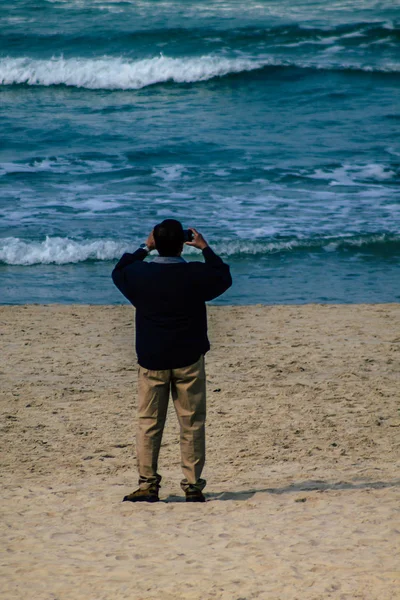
270,126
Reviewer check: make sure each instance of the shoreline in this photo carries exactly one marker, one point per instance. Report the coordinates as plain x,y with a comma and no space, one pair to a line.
210,305
302,467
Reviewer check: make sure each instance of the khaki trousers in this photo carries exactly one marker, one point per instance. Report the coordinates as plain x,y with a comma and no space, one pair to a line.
188,389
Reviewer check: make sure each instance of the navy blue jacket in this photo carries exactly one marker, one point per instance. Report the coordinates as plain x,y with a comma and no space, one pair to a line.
171,317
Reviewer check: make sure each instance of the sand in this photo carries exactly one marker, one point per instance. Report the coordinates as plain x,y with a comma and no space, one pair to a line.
303,459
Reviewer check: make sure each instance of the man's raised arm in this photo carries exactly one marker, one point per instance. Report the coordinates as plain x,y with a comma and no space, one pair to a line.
118,274
216,278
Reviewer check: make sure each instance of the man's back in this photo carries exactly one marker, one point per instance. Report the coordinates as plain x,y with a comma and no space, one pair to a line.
169,296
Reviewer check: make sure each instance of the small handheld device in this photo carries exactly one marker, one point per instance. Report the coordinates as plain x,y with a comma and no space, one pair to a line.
188,235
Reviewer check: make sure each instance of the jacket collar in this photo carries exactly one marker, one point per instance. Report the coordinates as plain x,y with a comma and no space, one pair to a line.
168,260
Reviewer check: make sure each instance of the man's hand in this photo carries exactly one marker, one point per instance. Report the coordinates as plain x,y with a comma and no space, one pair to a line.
150,243
198,240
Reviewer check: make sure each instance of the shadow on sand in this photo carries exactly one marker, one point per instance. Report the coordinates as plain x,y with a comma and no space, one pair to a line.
311,485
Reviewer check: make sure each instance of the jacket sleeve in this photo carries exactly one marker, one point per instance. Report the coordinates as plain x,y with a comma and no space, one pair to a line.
119,273
216,277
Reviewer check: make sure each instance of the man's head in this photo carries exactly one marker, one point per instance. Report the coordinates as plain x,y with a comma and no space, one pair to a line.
169,238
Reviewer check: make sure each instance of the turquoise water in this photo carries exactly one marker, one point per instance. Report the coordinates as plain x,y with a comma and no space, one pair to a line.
272,128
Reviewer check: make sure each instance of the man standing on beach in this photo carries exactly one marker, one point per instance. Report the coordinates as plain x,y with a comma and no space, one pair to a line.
169,295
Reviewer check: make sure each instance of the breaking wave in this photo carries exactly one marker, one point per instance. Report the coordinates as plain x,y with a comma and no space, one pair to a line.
111,73
59,251
118,73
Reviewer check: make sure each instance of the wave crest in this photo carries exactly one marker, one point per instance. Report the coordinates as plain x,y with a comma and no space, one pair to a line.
60,251
57,250
117,73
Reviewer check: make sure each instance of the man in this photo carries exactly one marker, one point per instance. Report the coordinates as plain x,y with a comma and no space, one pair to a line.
171,340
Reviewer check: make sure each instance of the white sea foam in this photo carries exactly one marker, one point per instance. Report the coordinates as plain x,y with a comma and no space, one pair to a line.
56,250
7,167
60,251
57,165
333,49
354,175
389,25
317,42
120,73
170,173
387,40
124,74
353,34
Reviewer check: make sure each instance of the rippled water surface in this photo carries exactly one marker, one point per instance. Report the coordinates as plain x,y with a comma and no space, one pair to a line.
272,128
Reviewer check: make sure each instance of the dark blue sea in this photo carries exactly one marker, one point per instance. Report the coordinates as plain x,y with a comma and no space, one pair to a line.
273,127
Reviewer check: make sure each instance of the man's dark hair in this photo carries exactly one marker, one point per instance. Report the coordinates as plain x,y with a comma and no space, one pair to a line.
168,237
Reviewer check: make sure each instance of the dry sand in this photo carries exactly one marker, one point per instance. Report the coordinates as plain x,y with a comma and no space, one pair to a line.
303,459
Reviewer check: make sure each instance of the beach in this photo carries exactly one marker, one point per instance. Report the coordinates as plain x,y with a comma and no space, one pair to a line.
272,129
303,434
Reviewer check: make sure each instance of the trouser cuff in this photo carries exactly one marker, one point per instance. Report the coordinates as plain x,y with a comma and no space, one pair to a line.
147,482
199,485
